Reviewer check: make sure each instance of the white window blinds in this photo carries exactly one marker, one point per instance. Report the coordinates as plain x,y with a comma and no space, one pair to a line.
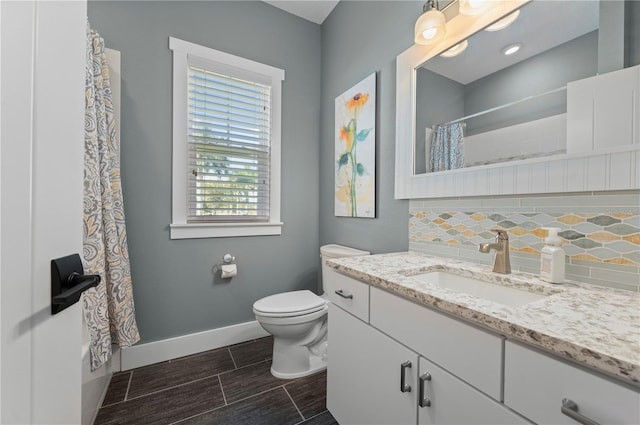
229,122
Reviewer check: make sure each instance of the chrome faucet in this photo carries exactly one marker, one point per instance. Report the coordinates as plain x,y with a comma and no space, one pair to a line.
501,263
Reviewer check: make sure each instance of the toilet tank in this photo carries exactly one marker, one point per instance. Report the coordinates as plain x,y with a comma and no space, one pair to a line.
337,251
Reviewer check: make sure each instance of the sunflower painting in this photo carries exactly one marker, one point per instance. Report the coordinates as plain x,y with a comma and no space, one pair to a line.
355,152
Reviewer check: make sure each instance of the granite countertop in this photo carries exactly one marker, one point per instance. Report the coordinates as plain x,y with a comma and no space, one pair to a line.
594,326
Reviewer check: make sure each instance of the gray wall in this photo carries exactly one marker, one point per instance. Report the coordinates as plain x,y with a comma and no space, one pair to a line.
611,37
549,70
174,288
619,36
358,38
434,89
632,32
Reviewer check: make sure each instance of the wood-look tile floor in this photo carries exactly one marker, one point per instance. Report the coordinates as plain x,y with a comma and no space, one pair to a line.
227,386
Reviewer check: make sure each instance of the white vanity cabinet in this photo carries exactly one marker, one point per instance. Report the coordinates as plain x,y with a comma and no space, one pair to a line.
452,401
349,294
472,354
381,372
363,376
536,385
393,361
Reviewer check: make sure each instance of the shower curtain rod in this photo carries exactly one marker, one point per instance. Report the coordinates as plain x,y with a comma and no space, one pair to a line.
506,105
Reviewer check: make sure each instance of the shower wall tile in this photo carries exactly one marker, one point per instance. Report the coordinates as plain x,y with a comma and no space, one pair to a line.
600,232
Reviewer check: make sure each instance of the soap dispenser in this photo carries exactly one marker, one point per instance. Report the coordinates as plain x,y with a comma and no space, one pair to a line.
552,258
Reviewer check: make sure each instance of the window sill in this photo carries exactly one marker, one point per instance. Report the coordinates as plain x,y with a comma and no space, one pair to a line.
224,230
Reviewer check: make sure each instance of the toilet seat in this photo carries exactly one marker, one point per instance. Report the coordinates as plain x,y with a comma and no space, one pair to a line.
289,304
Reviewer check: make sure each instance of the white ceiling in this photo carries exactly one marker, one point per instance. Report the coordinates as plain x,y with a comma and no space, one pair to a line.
311,10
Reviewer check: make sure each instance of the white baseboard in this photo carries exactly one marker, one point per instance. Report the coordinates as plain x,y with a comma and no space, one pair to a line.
171,348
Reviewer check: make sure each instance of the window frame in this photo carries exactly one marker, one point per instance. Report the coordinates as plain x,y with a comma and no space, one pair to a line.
179,227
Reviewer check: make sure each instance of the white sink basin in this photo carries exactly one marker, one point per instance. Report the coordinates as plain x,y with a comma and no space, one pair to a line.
481,289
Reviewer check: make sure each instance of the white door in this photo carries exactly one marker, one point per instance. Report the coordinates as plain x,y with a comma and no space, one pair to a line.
364,374
41,177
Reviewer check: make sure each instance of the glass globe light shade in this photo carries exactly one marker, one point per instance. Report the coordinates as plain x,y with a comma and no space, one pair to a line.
430,27
473,7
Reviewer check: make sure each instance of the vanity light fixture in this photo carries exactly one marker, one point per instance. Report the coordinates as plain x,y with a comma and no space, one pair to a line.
430,25
504,22
473,7
455,50
511,48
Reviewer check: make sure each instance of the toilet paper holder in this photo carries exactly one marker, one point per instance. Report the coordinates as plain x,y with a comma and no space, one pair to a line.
227,268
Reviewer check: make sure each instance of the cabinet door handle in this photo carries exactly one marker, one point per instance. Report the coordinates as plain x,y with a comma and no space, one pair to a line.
344,295
404,387
570,408
424,400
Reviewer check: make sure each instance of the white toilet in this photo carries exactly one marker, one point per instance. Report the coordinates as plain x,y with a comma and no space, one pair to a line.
298,322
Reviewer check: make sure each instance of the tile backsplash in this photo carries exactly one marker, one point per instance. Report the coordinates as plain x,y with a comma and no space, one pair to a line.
600,232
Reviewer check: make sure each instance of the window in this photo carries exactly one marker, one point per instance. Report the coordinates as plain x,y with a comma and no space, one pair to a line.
226,144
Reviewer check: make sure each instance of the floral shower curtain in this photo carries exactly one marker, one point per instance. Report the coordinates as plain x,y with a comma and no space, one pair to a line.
108,309
447,148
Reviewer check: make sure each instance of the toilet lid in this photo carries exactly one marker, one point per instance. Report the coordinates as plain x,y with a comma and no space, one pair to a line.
290,303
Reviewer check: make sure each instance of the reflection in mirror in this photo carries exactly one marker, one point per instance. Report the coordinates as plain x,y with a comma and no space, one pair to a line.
481,106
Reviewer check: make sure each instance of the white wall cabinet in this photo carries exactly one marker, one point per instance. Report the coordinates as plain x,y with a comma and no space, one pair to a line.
602,111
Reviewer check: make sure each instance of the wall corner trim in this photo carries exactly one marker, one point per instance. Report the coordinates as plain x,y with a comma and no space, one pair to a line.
184,345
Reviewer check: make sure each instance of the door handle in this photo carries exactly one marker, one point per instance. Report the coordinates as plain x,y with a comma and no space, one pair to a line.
424,400
404,387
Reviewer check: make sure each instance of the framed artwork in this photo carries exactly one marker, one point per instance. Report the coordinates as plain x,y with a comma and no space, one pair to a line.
355,150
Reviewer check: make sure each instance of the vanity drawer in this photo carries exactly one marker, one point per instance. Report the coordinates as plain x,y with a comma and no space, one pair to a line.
471,354
536,384
349,294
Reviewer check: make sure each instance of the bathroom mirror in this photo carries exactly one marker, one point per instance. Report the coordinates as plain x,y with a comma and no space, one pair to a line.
479,100
510,110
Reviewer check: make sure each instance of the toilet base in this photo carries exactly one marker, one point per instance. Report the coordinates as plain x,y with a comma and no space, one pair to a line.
316,364
292,360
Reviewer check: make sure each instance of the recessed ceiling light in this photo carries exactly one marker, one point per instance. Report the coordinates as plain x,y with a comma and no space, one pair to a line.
511,48
504,22
455,50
